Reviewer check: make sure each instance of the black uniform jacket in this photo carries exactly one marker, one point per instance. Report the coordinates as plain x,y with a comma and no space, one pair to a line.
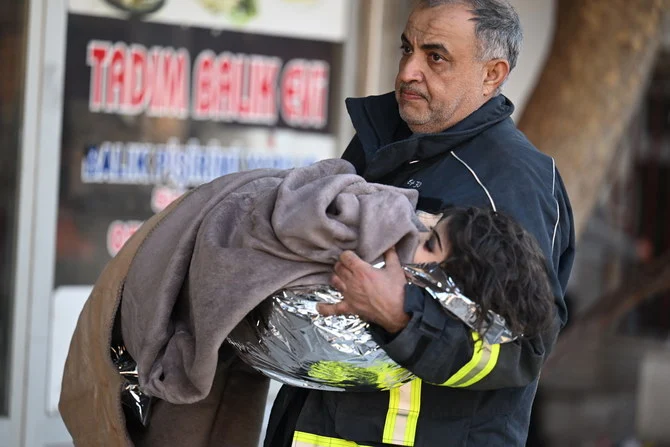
469,392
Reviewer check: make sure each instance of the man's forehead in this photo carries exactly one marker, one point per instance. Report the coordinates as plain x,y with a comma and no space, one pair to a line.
440,23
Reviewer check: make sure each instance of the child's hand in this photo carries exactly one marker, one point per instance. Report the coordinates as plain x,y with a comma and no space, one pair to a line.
375,295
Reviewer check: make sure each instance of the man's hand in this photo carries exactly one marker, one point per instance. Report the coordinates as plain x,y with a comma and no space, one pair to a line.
375,295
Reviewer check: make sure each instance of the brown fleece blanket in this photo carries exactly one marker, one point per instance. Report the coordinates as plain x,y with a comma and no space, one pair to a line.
231,243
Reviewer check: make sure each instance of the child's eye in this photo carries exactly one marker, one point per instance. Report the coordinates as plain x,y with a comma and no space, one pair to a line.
429,244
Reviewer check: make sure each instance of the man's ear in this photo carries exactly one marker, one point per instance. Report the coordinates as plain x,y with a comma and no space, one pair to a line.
496,71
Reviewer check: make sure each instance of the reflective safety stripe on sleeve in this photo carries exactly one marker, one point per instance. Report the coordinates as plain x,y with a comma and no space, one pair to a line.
484,359
403,414
302,439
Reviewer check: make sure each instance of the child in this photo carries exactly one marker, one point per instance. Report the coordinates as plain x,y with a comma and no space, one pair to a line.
494,262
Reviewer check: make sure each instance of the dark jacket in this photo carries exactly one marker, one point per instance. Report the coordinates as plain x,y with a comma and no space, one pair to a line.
469,392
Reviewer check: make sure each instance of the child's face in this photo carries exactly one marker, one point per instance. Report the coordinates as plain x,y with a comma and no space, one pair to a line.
433,244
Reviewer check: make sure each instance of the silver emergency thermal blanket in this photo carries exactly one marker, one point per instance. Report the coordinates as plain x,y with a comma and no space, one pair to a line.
136,402
288,340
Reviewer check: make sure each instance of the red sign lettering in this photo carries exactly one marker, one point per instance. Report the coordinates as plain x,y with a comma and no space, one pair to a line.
118,234
235,88
131,79
127,81
97,55
304,93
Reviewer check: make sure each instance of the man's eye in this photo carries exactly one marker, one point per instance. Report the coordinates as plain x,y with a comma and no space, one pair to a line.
435,57
405,49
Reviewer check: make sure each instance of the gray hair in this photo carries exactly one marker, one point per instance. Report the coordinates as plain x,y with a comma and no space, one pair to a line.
498,28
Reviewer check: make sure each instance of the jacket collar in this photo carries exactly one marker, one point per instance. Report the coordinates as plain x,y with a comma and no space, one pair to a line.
388,143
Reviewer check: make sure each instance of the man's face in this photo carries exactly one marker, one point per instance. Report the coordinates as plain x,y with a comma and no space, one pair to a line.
440,80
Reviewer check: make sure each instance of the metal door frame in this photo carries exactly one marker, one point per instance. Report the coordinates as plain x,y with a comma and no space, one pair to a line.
37,230
12,427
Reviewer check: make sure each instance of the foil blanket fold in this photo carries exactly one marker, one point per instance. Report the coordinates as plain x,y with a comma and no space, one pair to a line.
289,341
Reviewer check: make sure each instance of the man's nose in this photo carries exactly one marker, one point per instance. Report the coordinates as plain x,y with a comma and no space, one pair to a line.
410,69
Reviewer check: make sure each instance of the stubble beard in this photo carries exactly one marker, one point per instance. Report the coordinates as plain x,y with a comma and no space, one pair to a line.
414,118
429,120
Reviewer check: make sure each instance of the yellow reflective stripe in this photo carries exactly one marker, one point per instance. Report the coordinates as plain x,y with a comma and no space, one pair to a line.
477,354
391,414
413,418
403,414
484,359
493,359
302,439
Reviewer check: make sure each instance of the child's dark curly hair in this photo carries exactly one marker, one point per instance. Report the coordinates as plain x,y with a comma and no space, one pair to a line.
499,265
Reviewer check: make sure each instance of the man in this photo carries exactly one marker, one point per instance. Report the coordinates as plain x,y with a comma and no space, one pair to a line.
448,133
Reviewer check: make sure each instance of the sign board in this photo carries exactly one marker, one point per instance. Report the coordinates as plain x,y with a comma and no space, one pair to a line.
153,109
